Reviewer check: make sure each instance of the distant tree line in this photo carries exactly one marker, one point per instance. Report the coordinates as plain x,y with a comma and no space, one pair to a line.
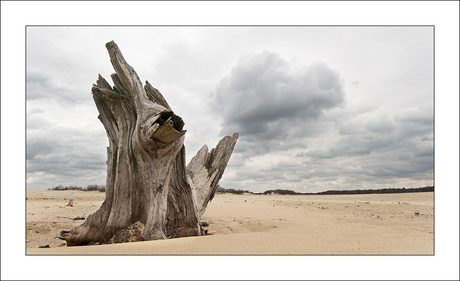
281,192
378,191
356,191
101,188
231,190
92,187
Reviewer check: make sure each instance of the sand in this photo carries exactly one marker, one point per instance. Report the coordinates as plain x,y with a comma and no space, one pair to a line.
373,224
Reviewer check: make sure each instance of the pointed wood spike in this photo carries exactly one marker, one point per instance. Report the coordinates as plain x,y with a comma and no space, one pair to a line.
207,168
127,77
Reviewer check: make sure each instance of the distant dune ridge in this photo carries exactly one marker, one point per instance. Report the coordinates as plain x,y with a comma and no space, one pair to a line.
248,224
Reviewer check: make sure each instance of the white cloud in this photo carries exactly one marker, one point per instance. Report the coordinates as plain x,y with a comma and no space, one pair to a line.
271,103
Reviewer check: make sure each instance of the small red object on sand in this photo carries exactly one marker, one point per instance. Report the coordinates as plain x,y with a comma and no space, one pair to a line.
211,232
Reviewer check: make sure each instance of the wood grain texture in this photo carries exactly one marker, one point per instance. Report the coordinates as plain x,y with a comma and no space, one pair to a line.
147,186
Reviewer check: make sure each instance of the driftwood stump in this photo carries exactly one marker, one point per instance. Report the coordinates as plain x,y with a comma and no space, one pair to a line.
71,200
150,193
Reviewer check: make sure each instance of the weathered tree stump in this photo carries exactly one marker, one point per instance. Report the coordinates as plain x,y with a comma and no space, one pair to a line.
150,194
71,200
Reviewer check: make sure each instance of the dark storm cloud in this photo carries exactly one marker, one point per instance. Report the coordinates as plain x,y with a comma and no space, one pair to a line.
380,148
39,148
268,100
417,122
406,130
56,152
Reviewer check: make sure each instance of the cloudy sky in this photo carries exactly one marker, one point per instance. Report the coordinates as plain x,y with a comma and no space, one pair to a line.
326,108
317,107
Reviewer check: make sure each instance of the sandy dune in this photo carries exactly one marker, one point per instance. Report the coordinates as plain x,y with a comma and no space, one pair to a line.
374,224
